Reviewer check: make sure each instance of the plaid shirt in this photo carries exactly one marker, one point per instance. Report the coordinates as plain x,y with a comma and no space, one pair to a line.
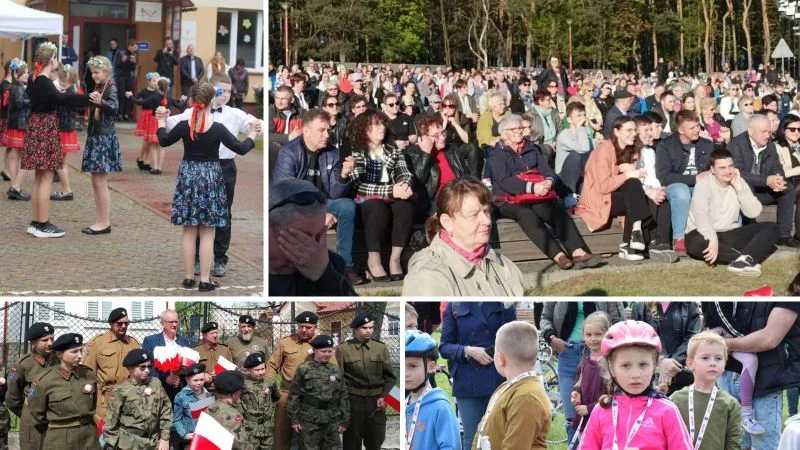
367,173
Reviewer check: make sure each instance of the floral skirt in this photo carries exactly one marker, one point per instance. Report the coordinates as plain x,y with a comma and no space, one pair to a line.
42,148
147,126
69,141
200,198
12,138
101,154
3,123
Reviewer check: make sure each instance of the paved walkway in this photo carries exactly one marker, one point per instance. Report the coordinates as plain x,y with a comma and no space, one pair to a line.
142,255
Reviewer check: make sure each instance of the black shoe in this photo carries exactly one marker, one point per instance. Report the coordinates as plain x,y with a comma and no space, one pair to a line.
662,253
140,164
396,277
220,269
5,176
14,194
89,230
207,286
637,240
188,283
355,278
788,242
381,279
155,172
746,267
61,197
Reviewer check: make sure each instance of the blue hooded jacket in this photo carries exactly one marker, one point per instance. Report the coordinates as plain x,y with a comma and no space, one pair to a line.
437,426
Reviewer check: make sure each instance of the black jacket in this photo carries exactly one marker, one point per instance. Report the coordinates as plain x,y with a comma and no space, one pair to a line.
108,110
672,159
166,63
333,282
743,159
518,104
186,70
66,114
673,126
426,170
550,75
779,368
19,108
127,68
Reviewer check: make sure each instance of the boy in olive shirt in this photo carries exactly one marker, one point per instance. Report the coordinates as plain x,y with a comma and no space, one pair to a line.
518,415
706,356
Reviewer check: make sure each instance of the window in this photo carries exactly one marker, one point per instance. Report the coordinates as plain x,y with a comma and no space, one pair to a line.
148,309
394,327
58,306
106,310
240,35
42,313
115,9
93,310
136,310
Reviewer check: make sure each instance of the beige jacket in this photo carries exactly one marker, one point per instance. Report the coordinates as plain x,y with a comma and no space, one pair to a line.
439,271
784,155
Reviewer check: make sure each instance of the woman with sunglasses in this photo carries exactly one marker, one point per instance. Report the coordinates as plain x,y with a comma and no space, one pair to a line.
787,143
338,131
740,122
713,129
460,135
729,104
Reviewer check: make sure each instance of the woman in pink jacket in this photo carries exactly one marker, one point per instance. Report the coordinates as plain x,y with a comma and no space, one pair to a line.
636,416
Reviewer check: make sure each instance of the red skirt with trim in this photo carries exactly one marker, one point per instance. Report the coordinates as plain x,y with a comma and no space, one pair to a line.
13,138
69,142
147,126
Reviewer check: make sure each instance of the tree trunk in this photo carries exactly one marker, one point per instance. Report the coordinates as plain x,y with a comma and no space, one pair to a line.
707,35
529,40
445,35
680,16
745,25
767,43
654,35
725,34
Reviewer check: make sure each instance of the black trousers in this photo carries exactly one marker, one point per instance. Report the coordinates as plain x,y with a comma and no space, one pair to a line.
377,214
534,221
630,201
571,174
755,239
786,201
236,103
125,104
222,236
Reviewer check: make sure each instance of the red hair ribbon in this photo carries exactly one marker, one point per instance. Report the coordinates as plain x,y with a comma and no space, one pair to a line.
196,106
38,69
5,98
164,102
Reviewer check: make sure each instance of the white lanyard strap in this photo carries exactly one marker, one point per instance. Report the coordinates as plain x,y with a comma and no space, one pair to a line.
706,415
413,427
636,425
497,396
577,434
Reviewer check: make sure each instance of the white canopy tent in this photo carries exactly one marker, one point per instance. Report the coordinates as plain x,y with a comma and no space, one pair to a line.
20,22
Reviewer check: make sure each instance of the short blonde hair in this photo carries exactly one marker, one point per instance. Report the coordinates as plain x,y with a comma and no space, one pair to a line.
706,337
518,341
600,318
410,311
707,102
494,100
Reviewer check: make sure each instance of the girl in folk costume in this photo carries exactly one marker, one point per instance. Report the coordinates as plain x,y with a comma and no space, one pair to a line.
17,105
5,86
42,148
200,202
66,78
101,155
149,98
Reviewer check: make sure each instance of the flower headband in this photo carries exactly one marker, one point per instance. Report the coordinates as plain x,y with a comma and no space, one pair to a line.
68,68
151,75
49,45
97,62
16,63
169,83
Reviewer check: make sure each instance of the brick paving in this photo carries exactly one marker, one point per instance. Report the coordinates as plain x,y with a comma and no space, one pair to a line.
142,255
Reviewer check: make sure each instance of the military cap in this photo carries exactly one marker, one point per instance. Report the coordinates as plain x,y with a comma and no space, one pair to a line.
135,357
194,369
117,314
360,320
307,317
254,360
229,381
322,341
39,330
210,326
67,341
248,319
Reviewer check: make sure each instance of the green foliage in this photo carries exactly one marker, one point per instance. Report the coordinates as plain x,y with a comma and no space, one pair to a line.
402,30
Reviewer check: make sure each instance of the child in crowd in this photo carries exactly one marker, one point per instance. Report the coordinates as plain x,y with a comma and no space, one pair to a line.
636,415
18,108
65,80
5,92
712,415
431,422
192,394
149,98
411,317
101,155
200,202
590,384
518,415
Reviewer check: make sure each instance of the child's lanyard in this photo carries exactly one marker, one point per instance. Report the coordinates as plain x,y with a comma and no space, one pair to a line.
494,400
410,432
706,415
636,425
577,434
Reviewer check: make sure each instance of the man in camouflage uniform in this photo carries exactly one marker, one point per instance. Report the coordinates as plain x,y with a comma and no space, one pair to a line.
318,406
258,402
104,355
139,414
291,352
210,350
245,342
367,382
5,418
63,400
20,377
229,390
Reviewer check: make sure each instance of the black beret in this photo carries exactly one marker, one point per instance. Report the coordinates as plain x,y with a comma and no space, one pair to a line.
39,330
210,326
361,319
135,357
67,341
248,319
254,360
117,314
307,317
622,94
194,369
322,341
229,381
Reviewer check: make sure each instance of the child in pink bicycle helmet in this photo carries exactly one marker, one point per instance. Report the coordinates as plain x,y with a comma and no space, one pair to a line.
636,416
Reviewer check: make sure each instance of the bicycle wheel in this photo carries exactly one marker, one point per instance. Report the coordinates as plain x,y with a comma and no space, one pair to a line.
558,433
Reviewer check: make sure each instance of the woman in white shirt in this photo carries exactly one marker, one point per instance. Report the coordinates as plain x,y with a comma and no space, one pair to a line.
217,64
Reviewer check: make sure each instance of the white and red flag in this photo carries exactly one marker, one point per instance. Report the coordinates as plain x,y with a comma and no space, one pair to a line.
392,399
210,435
223,364
199,406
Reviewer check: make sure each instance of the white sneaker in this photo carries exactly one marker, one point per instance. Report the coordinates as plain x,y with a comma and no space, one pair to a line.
48,230
31,229
746,267
629,254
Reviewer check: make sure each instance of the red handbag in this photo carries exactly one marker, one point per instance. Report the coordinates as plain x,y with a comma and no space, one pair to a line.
529,176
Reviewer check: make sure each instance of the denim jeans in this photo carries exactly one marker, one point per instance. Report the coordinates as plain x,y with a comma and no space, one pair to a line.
768,409
471,410
345,211
568,362
679,196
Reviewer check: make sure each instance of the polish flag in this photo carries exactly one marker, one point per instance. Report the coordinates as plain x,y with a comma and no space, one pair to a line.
392,399
165,359
210,435
100,433
188,356
223,364
199,406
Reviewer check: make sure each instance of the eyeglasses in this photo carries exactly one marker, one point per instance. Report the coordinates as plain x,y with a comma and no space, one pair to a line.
552,85
123,324
390,105
448,106
793,129
301,198
143,367
747,104
525,84
332,105
515,129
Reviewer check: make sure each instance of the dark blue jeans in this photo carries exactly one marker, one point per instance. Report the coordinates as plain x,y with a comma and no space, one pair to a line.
344,209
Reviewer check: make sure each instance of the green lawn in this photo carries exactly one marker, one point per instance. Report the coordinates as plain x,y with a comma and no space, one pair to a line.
259,144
